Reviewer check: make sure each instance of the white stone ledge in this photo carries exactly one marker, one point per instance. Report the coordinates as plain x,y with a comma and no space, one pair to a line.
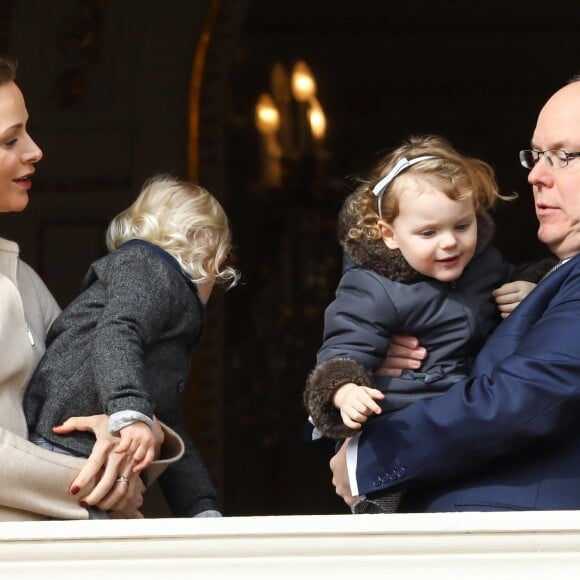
490,546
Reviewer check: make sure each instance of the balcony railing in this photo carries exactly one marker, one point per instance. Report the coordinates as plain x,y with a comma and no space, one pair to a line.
490,546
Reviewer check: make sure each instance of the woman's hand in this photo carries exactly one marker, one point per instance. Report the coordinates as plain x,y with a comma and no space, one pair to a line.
403,353
106,480
126,497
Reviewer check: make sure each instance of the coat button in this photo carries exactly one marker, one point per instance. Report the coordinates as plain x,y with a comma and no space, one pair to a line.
401,472
181,386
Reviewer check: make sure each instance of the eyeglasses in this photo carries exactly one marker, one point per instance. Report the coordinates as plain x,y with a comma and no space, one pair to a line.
553,157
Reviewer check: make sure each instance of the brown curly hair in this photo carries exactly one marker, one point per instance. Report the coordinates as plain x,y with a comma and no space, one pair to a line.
456,175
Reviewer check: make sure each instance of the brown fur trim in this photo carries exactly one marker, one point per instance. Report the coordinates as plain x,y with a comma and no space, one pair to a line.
321,385
374,254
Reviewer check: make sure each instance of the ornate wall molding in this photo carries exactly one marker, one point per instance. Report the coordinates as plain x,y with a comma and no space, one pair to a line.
209,89
80,37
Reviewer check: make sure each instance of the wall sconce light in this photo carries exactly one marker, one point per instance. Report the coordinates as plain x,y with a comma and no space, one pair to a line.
267,119
303,83
292,126
317,120
267,115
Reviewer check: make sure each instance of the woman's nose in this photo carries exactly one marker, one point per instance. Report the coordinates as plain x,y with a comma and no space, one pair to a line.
33,153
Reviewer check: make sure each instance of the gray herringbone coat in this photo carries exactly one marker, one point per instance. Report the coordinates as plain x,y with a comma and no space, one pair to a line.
125,343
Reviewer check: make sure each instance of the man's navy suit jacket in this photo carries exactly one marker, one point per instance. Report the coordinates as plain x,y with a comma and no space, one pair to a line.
507,438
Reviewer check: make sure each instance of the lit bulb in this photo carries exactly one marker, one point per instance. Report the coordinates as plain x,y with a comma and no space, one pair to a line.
317,119
267,115
303,84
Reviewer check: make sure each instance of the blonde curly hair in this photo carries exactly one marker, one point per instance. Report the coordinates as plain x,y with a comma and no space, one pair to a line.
183,219
456,175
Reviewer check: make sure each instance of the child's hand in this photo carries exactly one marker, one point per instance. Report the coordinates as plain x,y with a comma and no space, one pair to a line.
508,296
138,442
356,403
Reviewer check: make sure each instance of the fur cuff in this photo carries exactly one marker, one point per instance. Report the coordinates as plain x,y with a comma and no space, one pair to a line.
321,385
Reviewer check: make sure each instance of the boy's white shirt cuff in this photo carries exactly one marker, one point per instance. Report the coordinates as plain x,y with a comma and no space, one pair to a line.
121,419
351,463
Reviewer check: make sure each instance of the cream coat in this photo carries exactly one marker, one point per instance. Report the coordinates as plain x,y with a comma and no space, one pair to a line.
35,482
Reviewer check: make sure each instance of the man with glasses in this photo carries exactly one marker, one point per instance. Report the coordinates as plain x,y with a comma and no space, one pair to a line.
507,438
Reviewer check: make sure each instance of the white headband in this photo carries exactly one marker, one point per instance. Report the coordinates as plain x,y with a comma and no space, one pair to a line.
400,166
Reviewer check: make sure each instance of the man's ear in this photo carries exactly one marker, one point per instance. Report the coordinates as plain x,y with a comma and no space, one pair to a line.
388,234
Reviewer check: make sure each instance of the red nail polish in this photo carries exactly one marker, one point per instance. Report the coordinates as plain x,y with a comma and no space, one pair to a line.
75,489
83,504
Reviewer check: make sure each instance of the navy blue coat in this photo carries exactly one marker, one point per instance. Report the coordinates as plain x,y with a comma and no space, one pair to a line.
380,295
508,437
